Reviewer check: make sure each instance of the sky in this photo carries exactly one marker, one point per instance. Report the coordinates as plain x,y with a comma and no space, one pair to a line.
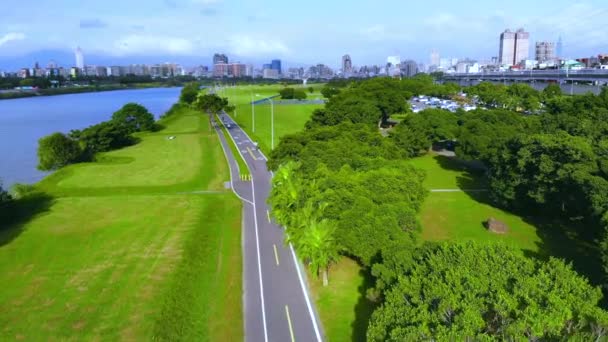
300,33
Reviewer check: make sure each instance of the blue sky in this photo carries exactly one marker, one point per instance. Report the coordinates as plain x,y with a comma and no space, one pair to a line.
302,32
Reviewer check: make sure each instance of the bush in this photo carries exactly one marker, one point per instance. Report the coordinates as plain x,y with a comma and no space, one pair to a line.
20,190
57,150
135,117
5,197
103,137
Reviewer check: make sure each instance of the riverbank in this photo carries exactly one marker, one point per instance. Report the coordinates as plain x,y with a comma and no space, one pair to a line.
8,95
143,245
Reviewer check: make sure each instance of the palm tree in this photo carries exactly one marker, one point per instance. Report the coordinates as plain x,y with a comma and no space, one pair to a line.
318,248
285,194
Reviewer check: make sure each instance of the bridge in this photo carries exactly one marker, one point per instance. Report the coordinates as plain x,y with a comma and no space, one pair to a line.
595,76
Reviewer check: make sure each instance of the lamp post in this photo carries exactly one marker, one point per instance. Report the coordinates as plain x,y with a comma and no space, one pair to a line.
252,115
271,122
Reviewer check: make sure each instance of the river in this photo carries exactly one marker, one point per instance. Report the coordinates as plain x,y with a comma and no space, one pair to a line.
24,121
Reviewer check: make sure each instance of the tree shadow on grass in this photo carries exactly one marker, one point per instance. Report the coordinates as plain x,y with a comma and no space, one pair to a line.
17,213
574,241
364,308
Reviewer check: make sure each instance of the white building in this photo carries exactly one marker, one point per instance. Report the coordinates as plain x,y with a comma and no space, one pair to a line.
79,58
514,47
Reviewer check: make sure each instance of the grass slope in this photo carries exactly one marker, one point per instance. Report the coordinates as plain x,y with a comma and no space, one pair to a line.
123,262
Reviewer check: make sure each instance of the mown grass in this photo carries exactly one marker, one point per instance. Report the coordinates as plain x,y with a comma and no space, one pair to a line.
243,168
115,262
342,305
289,118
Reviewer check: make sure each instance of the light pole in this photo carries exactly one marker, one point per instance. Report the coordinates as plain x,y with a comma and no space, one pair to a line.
271,122
252,115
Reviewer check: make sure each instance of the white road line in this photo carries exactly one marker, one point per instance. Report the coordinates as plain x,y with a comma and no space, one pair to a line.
293,339
218,130
257,243
312,315
268,215
276,254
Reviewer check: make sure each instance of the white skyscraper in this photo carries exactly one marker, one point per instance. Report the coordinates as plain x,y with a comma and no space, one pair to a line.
435,58
79,59
514,47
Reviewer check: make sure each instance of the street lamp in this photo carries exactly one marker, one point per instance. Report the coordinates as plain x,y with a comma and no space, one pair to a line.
252,115
271,121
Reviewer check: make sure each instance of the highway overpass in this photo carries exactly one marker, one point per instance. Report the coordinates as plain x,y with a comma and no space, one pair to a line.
560,76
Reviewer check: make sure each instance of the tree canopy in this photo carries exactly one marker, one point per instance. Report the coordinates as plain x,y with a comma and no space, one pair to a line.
134,117
56,151
189,92
490,292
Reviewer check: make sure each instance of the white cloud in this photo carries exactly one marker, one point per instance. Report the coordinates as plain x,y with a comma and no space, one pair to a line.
382,33
205,2
11,36
247,46
147,44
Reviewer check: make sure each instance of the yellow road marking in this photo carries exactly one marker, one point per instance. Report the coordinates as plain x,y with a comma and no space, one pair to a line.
293,339
276,254
251,153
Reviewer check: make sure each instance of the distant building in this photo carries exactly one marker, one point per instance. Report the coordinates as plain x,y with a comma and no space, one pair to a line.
114,71
435,60
237,70
409,68
270,73
101,71
79,58
347,64
220,58
559,53
514,47
220,70
275,64
75,72
545,51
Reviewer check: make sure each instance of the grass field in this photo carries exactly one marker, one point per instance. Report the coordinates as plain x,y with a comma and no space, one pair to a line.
119,252
289,118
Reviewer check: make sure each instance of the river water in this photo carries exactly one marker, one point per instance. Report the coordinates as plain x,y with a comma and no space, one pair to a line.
24,121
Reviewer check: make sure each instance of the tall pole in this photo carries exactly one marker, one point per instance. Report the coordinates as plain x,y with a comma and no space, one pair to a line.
271,124
252,115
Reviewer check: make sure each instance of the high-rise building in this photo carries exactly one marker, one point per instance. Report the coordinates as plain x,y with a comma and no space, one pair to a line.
522,46
545,51
514,47
79,58
409,68
559,48
275,64
435,60
220,58
270,73
347,64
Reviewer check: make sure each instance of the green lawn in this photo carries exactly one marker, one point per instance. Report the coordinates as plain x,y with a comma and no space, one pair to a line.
342,305
138,259
288,118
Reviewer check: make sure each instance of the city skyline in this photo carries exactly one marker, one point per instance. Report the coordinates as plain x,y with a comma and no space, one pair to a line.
193,30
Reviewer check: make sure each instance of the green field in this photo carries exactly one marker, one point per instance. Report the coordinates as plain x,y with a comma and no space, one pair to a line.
118,251
288,118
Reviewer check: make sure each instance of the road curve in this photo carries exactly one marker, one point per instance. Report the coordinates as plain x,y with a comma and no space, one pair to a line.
277,305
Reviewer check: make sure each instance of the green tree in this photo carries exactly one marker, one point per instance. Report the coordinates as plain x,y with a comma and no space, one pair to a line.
318,247
56,151
486,292
105,136
551,91
287,93
211,103
135,117
5,197
311,90
299,95
189,92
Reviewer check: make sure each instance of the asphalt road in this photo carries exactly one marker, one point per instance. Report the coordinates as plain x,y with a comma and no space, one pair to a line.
277,306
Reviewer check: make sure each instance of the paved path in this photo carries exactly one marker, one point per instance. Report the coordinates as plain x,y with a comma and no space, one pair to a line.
277,306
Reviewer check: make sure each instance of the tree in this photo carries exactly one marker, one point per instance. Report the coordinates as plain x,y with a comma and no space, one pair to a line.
287,93
311,90
551,91
299,95
318,247
5,197
211,103
189,92
486,292
135,117
56,151
105,136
